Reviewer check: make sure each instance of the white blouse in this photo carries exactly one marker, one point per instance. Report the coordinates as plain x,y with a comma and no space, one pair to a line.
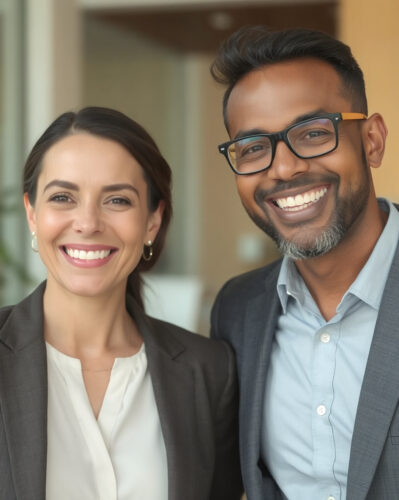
119,456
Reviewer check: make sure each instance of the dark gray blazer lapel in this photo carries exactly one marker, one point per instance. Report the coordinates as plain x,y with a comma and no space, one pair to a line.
379,394
23,396
179,409
261,317
245,314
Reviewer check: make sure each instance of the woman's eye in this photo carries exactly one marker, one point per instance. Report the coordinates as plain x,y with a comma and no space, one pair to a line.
119,200
61,198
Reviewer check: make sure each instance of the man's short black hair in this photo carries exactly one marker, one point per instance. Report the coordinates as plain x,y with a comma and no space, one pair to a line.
253,47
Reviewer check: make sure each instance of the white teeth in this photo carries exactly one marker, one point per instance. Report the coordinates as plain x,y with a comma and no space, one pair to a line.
300,201
90,255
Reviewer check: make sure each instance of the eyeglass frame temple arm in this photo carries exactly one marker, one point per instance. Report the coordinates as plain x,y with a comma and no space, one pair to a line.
353,116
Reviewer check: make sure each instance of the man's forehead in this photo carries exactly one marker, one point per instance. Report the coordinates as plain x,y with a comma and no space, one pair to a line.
309,66
284,91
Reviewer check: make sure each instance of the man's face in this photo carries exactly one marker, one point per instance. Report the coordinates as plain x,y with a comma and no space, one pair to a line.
306,206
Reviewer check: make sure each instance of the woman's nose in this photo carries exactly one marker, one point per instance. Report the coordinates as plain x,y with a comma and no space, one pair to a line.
88,220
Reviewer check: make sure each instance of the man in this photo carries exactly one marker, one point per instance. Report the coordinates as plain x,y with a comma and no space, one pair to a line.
316,334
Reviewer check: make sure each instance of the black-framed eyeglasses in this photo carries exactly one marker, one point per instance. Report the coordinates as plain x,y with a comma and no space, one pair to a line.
306,139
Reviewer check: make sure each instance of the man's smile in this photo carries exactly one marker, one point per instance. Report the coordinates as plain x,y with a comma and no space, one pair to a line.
301,200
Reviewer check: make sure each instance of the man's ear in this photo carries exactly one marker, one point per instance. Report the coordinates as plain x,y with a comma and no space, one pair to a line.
374,136
30,213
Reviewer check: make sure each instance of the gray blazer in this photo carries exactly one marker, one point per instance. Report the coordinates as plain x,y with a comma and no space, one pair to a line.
245,314
195,391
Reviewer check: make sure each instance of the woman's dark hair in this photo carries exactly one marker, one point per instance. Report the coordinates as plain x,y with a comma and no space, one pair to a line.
252,47
114,125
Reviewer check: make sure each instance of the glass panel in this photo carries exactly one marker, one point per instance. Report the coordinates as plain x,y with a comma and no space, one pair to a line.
148,82
12,225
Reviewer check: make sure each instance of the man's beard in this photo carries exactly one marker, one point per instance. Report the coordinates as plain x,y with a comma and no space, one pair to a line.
347,211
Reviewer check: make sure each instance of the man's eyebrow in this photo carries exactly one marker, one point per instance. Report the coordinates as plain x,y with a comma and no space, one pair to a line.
247,133
256,131
308,116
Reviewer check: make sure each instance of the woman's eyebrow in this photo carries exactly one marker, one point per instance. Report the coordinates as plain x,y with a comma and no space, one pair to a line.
120,187
106,189
63,184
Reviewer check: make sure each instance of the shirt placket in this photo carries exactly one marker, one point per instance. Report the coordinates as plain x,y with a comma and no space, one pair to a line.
323,371
100,459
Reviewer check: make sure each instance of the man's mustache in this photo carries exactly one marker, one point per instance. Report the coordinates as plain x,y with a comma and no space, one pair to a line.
303,180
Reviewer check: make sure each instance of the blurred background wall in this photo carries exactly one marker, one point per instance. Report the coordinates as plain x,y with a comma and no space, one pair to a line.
150,59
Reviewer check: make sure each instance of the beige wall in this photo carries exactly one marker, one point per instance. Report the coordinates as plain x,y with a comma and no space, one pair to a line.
370,28
144,80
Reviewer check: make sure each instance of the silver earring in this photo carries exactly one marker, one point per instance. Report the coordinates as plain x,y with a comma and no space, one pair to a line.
34,242
147,251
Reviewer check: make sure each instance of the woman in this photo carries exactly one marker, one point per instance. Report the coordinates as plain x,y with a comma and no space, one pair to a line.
97,400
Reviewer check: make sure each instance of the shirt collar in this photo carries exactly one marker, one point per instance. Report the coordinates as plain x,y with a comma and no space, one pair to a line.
379,262
290,282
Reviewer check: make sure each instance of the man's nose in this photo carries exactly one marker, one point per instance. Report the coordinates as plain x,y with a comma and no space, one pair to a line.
88,219
286,165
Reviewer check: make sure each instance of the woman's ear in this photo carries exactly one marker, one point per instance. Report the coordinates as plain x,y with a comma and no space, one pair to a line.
30,213
155,221
374,136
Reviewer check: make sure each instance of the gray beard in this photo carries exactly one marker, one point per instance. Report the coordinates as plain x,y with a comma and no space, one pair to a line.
323,243
346,213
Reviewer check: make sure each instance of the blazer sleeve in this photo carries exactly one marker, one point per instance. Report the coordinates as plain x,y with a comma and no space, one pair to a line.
227,482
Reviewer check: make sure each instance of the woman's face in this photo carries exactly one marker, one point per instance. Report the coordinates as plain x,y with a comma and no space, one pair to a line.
91,214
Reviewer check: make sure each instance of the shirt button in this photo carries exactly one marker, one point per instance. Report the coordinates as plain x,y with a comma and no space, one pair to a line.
325,338
321,410
331,498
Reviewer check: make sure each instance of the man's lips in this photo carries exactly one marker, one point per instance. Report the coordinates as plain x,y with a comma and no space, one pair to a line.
300,201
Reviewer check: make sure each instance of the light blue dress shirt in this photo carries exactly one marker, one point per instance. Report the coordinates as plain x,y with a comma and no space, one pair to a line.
315,375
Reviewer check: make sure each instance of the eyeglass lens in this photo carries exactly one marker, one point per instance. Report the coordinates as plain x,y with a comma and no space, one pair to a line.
308,139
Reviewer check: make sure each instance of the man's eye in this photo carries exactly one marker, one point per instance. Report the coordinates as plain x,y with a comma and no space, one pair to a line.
253,149
314,134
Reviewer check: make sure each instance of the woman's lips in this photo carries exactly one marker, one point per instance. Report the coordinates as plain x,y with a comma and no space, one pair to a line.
88,256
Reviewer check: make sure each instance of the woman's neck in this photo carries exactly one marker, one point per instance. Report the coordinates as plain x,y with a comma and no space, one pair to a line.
89,327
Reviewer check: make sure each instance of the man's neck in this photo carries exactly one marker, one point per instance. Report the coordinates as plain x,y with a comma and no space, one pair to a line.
329,276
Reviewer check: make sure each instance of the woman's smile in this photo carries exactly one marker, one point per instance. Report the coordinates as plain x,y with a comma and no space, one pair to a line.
90,256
